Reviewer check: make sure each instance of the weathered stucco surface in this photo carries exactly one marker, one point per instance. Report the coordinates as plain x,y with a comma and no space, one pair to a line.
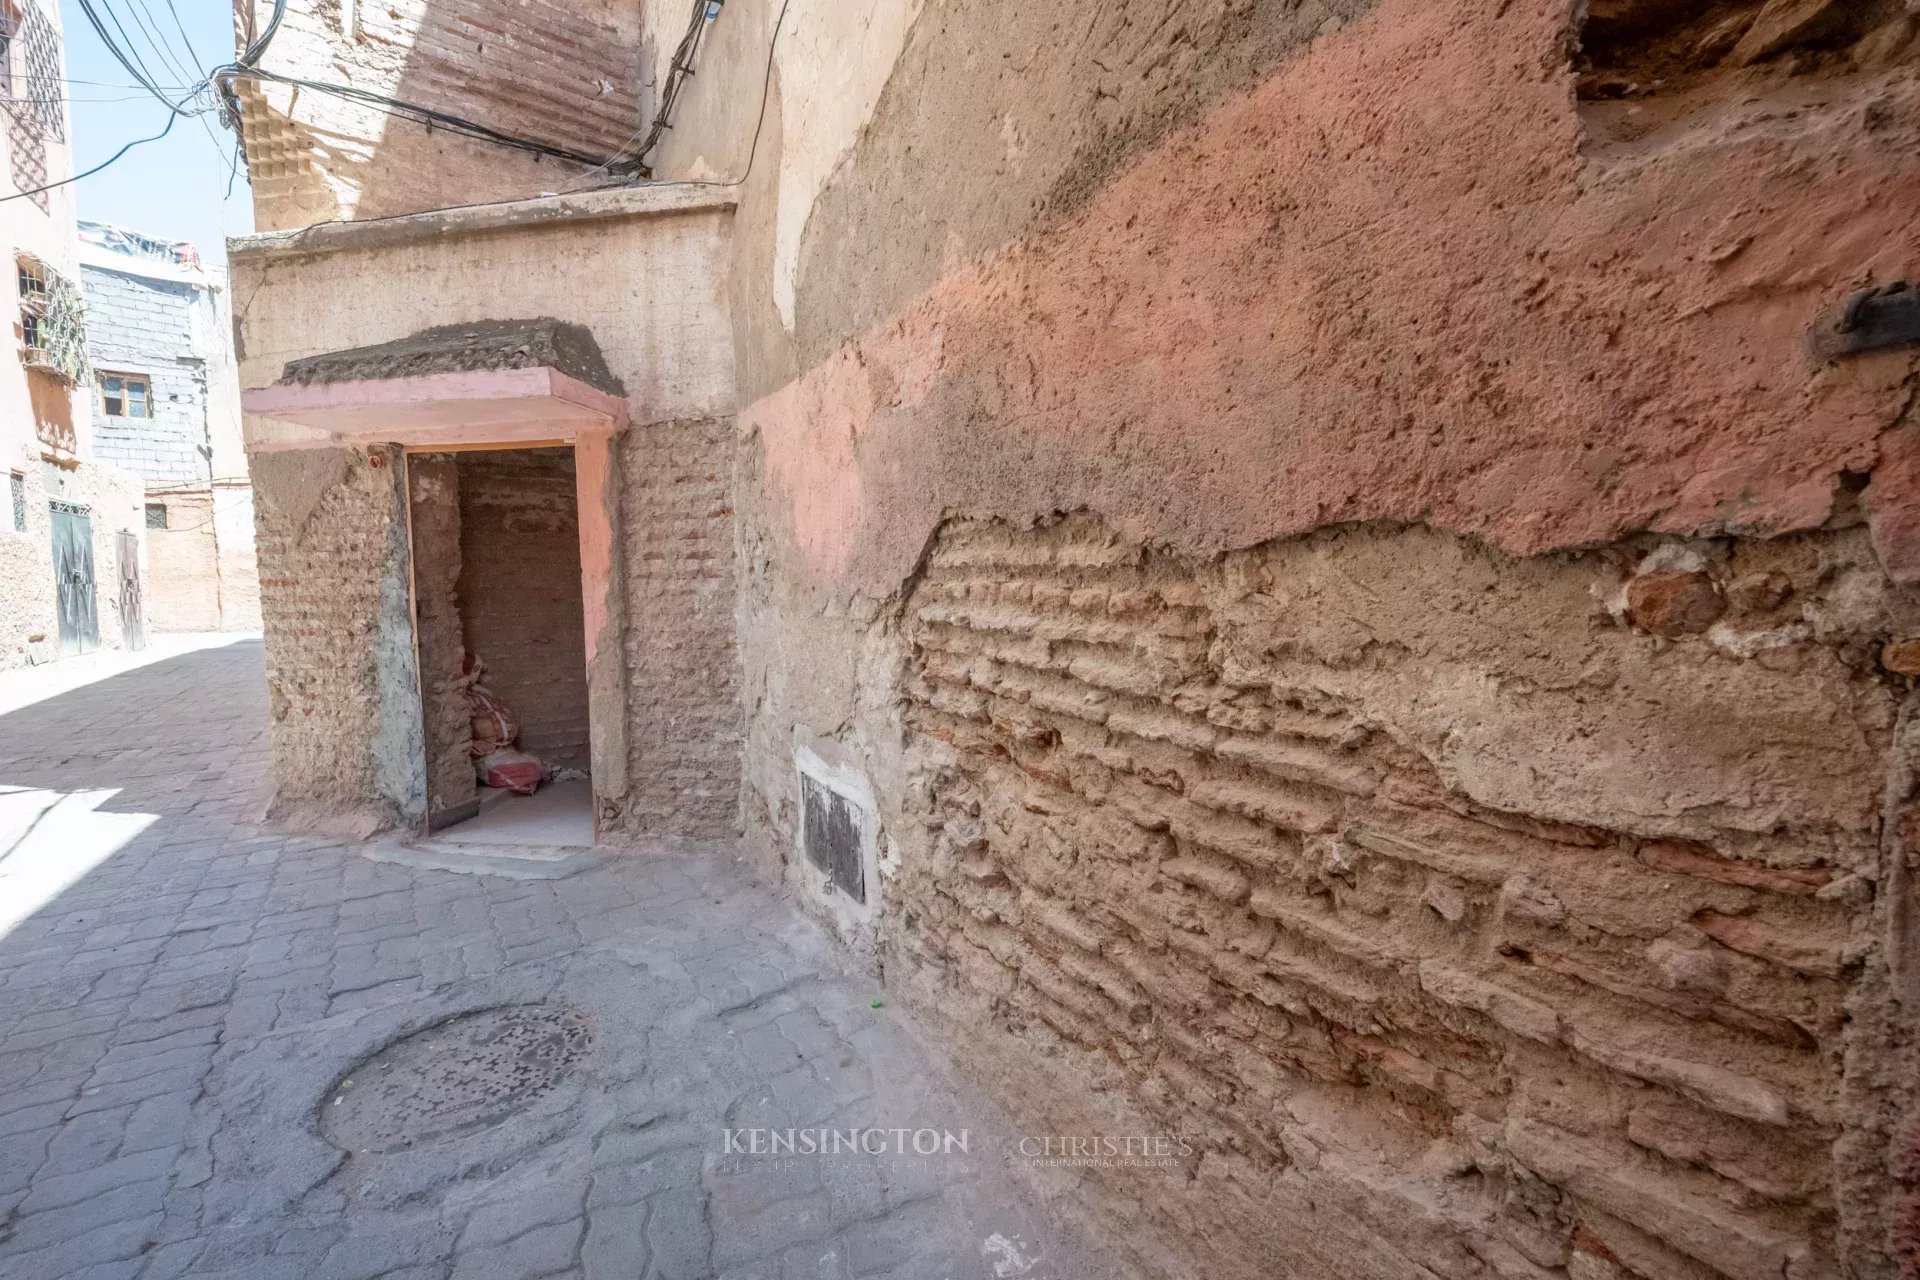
343,694
649,287
682,683
434,537
1372,644
1438,890
1443,308
1357,607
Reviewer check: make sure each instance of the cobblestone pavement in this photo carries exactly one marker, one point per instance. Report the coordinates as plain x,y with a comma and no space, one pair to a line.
184,995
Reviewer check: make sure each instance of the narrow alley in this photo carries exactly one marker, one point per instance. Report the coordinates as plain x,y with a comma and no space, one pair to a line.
187,1000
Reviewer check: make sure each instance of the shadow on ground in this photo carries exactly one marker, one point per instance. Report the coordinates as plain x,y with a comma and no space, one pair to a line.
189,994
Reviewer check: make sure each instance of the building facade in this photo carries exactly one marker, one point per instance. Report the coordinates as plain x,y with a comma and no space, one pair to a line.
1333,579
72,533
165,406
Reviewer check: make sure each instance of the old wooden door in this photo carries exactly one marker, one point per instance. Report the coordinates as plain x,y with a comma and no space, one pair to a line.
133,621
79,617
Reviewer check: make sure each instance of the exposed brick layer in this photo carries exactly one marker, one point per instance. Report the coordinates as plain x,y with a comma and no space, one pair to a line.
561,74
1163,827
183,565
683,680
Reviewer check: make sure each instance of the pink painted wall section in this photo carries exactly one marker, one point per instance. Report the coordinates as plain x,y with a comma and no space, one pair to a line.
1390,282
593,471
597,484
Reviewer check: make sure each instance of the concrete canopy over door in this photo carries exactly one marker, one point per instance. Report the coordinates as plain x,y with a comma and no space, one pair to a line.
424,394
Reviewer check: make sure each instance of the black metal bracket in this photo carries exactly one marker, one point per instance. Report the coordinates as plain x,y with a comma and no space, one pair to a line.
1874,319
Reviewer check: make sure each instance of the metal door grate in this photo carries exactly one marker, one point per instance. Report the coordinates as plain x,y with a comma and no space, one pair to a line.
77,608
831,836
133,620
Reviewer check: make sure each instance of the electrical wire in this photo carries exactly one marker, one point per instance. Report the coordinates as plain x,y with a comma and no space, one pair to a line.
144,73
22,195
176,63
114,84
258,46
193,54
221,82
766,90
679,68
760,121
127,58
163,49
423,115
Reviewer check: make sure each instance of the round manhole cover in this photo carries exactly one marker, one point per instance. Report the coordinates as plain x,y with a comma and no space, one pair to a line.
465,1073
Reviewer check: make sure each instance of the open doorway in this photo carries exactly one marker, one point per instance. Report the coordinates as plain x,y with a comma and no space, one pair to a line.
500,629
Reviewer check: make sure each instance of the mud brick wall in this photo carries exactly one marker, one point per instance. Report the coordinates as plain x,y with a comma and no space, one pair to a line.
1197,835
183,565
566,75
520,603
330,528
682,670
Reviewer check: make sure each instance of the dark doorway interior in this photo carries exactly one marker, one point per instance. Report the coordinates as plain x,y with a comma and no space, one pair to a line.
496,555
519,589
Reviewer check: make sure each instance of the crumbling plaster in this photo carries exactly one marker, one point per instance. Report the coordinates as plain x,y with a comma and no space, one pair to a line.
1362,317
1368,634
1572,352
342,681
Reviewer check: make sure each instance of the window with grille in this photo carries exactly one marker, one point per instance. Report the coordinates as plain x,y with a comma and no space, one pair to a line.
126,395
18,483
33,303
156,515
40,61
9,35
52,321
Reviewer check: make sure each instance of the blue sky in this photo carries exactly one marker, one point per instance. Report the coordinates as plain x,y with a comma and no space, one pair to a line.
174,188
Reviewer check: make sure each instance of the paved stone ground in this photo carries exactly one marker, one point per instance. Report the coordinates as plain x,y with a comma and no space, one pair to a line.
182,994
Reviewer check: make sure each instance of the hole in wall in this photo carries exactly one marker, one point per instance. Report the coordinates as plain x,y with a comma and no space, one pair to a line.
1645,66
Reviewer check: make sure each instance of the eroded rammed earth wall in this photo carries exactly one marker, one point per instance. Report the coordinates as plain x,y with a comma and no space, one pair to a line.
1375,645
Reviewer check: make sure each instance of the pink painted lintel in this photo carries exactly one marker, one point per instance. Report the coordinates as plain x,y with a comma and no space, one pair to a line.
443,408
